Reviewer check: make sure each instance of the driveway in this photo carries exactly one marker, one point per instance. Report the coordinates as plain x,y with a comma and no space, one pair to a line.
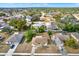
60,45
18,38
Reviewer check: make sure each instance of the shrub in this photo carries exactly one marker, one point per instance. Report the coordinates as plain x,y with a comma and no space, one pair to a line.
49,32
71,43
41,29
30,34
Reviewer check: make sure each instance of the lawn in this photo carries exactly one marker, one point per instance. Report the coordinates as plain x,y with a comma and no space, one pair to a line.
4,48
5,35
24,48
50,49
72,50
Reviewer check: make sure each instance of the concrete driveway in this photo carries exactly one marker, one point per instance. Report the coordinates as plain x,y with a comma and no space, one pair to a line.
18,38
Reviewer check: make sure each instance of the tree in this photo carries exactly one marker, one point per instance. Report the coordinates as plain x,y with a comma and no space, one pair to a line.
57,17
29,34
2,14
41,29
18,24
5,20
76,27
69,27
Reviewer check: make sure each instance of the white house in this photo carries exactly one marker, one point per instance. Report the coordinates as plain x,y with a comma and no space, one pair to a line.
28,18
18,16
38,24
51,25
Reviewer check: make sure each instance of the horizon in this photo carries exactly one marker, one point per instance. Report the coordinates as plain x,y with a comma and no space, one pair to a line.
39,5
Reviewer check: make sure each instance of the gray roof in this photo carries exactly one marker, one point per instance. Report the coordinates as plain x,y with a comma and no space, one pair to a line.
15,38
76,35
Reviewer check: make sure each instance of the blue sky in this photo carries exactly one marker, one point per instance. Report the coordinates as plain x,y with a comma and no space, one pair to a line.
24,5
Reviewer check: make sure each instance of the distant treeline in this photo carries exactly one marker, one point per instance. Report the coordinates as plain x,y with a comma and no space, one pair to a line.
38,10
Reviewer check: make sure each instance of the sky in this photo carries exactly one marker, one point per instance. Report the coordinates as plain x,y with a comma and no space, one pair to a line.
25,5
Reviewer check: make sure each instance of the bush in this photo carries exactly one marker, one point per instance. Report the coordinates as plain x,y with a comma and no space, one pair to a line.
49,32
76,46
2,14
30,34
71,43
41,29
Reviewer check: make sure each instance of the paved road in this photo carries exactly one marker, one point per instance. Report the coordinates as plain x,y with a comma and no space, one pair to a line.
18,38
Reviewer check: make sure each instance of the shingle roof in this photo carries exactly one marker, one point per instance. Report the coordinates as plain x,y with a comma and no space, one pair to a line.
41,39
76,35
15,38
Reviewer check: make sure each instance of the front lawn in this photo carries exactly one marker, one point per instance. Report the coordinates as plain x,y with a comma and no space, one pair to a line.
4,48
50,49
5,35
72,50
24,48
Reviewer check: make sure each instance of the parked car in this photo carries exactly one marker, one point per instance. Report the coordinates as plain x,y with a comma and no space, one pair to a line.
12,46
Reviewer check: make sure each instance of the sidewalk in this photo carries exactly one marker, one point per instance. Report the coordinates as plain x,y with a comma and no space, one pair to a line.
10,52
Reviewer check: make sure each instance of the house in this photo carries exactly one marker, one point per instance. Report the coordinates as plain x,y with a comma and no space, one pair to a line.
43,14
42,18
76,16
41,39
3,24
38,24
47,18
51,25
18,16
75,36
28,18
59,39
